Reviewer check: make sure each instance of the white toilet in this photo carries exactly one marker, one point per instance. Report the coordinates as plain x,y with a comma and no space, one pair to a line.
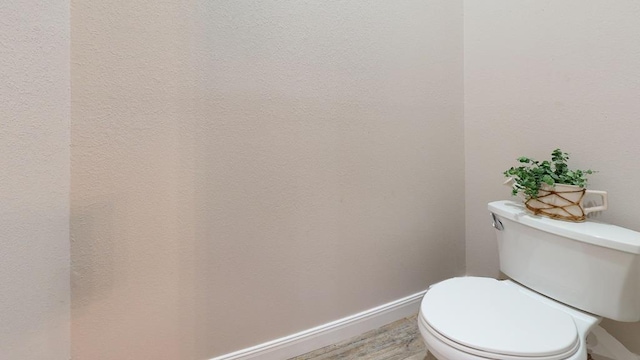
564,278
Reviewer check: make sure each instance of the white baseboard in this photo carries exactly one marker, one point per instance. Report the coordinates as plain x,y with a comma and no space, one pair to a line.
330,333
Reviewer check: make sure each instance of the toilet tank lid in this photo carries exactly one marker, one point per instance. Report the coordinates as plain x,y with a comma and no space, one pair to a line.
590,231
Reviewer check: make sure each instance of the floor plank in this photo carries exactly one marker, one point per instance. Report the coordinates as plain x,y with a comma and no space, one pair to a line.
399,340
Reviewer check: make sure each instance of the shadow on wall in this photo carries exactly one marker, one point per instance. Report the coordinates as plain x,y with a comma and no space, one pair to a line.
92,251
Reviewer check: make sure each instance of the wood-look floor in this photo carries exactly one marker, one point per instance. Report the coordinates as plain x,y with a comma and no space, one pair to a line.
399,340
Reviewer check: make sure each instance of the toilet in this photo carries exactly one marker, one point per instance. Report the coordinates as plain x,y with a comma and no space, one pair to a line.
563,279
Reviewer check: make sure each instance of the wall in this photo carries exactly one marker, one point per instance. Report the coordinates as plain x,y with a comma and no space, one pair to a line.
246,170
547,74
34,180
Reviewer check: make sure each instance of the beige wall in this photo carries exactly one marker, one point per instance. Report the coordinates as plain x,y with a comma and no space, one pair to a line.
250,170
246,169
547,74
34,180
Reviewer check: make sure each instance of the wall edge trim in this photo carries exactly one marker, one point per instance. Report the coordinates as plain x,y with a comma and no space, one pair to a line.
330,333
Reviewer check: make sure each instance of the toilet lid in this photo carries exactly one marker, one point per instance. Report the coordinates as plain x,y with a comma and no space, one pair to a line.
491,316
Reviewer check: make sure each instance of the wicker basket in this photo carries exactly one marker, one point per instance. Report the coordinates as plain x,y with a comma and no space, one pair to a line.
562,202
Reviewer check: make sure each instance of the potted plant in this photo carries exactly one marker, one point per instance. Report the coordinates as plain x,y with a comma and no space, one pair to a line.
551,188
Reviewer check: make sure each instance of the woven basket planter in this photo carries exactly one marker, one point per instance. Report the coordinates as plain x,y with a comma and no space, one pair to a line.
564,202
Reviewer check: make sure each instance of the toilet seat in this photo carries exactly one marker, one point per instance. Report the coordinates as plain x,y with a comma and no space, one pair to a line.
497,320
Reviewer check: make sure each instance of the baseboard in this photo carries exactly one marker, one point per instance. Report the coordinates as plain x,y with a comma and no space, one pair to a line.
330,333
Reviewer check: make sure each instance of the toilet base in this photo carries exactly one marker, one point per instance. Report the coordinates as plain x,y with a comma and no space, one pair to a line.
604,346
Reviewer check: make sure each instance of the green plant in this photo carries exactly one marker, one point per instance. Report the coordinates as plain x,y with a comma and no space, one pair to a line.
531,174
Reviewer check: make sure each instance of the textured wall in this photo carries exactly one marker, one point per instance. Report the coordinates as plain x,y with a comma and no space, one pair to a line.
243,170
544,74
34,180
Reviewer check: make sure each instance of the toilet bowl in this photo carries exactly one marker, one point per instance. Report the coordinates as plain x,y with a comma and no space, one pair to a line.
475,318
564,278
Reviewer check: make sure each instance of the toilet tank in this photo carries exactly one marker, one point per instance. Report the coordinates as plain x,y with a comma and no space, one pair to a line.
592,266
